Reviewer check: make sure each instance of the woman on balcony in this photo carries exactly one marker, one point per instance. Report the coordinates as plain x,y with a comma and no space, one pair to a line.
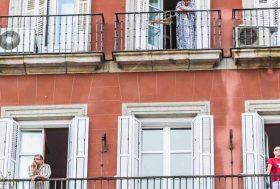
185,25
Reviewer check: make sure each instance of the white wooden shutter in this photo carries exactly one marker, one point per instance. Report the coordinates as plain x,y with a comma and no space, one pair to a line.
129,129
78,148
275,17
83,22
8,146
141,24
263,15
202,24
30,7
253,136
37,8
42,10
203,150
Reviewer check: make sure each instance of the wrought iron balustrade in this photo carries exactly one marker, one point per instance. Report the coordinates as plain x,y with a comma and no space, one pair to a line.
258,27
162,30
151,182
51,34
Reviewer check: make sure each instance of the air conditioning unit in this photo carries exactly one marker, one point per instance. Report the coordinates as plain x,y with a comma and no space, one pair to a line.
17,40
254,36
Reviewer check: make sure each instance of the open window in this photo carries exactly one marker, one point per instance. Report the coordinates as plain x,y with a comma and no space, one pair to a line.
50,140
165,149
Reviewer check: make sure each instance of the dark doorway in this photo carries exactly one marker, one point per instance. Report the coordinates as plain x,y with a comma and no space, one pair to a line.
272,131
56,144
169,40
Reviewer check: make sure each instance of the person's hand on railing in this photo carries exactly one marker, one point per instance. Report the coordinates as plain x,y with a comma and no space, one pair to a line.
164,21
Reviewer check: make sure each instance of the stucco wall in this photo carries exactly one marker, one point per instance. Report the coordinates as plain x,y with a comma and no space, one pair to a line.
105,93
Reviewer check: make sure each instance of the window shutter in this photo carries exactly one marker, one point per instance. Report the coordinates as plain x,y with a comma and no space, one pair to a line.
253,136
141,25
83,8
202,23
78,148
8,146
129,129
203,150
42,10
82,30
30,8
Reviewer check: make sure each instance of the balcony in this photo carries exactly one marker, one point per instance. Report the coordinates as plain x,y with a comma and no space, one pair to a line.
51,44
168,40
256,37
151,182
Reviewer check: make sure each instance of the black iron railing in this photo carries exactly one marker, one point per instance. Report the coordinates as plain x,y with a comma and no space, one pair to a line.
162,182
200,29
257,27
51,33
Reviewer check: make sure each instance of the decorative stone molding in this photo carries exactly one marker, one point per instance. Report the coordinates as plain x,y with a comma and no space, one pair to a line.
176,109
256,58
49,112
263,107
168,60
51,63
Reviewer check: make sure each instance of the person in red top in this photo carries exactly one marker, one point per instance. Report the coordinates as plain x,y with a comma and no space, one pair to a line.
273,168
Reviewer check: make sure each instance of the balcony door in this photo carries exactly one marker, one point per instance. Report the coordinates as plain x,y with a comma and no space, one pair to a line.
147,35
69,30
152,34
62,26
166,151
57,25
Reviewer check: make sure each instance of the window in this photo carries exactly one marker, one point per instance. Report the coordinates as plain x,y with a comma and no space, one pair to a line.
40,136
169,150
172,157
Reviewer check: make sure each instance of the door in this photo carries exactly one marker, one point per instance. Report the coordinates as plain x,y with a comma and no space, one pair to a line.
31,143
63,25
69,30
155,31
148,34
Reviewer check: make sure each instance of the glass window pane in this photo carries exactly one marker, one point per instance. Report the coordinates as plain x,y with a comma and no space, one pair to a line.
152,165
24,162
181,164
152,139
155,3
31,142
65,7
180,139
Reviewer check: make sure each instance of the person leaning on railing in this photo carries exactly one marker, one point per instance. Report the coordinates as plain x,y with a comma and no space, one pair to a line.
185,25
273,168
39,172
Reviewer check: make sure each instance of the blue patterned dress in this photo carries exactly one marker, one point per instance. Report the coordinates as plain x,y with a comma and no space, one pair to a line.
185,27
